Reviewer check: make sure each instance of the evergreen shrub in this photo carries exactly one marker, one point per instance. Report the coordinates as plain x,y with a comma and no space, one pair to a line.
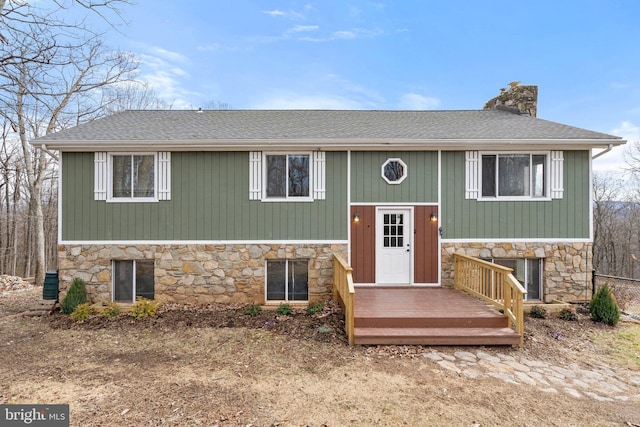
604,308
76,295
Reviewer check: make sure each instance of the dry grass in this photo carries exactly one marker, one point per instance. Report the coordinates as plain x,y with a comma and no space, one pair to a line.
230,376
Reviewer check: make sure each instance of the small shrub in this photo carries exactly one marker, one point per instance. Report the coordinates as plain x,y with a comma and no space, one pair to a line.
111,309
76,295
143,308
285,309
538,312
82,311
604,308
315,307
568,313
253,309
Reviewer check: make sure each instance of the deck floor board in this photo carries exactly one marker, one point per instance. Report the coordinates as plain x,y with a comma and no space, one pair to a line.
418,302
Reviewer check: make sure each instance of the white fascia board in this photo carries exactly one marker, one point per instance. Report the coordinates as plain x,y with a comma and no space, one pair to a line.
355,144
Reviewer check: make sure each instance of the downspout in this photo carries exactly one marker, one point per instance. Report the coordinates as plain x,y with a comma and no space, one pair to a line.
606,150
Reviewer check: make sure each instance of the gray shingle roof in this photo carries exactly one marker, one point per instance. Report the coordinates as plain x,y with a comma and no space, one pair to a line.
226,126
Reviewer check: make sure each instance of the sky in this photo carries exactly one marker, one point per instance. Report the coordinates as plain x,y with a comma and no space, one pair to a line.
355,54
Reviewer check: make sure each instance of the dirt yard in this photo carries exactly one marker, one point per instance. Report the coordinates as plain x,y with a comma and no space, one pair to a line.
203,366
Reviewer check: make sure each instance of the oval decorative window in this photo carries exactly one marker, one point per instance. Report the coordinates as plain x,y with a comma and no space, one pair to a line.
394,171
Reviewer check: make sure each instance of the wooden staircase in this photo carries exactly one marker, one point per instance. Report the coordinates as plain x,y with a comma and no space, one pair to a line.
427,316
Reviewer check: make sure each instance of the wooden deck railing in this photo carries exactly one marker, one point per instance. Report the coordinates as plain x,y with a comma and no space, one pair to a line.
493,283
344,292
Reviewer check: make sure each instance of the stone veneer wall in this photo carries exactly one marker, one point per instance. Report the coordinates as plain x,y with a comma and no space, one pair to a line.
199,274
567,267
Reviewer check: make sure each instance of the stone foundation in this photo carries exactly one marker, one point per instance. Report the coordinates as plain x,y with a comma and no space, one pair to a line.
199,274
567,267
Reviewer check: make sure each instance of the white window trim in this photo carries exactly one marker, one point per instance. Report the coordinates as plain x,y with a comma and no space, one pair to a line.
547,176
308,198
111,199
286,286
404,168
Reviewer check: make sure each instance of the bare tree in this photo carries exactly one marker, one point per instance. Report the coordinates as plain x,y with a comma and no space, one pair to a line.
53,79
133,95
616,216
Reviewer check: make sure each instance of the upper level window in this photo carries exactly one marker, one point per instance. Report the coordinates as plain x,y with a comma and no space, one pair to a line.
133,177
514,175
394,171
288,176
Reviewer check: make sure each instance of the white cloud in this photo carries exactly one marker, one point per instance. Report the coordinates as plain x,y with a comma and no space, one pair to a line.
356,33
211,47
286,14
167,54
353,34
275,12
165,73
344,35
303,28
414,101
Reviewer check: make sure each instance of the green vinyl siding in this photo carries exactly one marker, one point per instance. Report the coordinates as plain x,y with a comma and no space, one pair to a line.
420,186
566,218
209,202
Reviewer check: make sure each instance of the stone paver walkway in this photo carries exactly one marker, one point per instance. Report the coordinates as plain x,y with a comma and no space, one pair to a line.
599,382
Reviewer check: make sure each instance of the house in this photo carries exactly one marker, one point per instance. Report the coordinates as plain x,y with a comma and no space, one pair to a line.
250,206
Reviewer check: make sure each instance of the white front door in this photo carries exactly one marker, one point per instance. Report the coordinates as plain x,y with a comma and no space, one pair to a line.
394,251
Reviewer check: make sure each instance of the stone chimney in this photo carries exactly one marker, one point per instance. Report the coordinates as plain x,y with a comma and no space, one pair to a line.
517,99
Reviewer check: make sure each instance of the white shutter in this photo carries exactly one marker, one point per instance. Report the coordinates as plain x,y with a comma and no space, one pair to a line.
164,175
100,176
255,175
472,175
557,181
319,167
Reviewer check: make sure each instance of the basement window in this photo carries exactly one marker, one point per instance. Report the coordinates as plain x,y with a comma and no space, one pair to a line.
288,280
528,271
133,279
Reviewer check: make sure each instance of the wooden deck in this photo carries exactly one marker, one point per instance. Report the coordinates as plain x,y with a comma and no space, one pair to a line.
427,316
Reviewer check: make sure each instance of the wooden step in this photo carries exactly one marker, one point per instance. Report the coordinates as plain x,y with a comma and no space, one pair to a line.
436,336
458,321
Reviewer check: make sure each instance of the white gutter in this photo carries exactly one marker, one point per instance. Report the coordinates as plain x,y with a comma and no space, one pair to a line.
605,151
332,144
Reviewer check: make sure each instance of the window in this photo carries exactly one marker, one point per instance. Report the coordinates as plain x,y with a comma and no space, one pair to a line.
514,175
393,232
528,271
139,177
133,176
297,177
287,175
287,280
132,279
394,171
